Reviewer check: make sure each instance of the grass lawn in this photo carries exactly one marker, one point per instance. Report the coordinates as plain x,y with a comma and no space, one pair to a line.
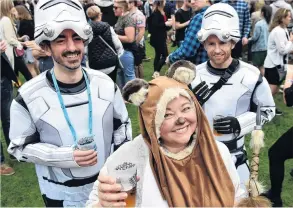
22,190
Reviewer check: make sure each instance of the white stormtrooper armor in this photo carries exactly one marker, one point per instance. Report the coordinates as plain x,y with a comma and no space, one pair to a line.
39,132
52,17
237,98
221,20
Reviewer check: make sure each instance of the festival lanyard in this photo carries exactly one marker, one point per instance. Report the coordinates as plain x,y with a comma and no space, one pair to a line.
73,132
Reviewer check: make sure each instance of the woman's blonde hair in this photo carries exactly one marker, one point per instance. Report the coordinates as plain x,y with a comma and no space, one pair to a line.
5,8
278,18
93,12
123,4
23,13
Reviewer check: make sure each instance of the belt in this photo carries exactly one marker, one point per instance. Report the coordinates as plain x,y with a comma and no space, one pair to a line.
232,145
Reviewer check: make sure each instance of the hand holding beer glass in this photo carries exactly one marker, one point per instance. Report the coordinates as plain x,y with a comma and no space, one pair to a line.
126,176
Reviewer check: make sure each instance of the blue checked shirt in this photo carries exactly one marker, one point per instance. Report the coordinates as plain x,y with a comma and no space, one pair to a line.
242,9
191,49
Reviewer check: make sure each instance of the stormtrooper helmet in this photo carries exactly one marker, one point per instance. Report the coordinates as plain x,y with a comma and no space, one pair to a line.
221,20
54,16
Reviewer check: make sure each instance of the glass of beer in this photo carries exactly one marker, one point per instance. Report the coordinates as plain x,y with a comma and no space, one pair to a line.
214,119
126,175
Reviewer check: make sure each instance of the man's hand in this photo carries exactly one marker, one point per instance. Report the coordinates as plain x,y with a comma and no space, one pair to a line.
201,92
109,192
3,46
85,158
244,41
227,125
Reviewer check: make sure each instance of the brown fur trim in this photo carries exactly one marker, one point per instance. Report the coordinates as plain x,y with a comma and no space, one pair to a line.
132,87
181,63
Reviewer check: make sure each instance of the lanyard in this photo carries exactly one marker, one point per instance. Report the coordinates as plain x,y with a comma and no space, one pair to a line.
73,132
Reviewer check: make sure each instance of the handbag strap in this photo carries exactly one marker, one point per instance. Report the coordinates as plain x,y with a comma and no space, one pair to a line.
108,45
223,79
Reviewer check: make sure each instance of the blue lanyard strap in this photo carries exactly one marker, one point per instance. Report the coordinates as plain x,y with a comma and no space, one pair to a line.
65,113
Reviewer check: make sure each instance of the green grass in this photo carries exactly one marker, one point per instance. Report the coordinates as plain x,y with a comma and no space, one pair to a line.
22,190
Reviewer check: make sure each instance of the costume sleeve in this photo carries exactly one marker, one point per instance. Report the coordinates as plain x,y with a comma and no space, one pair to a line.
26,145
94,196
283,45
230,166
256,33
246,21
117,43
190,45
262,94
122,124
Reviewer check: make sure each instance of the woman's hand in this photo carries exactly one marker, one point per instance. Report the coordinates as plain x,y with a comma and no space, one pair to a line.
291,37
3,46
168,23
109,192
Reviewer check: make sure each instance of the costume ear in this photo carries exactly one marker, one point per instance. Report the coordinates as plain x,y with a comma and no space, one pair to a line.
135,91
182,71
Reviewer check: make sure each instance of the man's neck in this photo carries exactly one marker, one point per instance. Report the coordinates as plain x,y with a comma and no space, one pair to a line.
133,10
66,76
224,65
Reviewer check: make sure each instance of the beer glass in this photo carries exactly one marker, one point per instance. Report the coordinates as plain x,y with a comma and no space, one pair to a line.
125,174
214,120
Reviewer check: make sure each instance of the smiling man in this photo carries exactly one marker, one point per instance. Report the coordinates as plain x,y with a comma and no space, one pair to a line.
229,90
69,119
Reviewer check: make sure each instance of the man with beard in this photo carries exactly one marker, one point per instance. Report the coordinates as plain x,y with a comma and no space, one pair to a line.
69,119
228,89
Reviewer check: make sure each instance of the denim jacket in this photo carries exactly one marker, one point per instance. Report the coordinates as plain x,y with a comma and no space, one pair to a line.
260,36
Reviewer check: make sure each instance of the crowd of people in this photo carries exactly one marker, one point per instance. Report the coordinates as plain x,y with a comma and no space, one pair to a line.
83,62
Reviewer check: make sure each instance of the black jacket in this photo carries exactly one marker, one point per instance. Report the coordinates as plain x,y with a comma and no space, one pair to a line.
100,56
26,27
158,29
6,68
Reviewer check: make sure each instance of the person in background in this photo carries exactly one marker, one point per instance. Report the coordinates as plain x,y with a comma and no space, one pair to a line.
282,149
125,29
26,31
280,44
160,26
170,9
242,10
9,34
140,24
7,76
107,7
259,39
279,4
182,19
105,48
191,49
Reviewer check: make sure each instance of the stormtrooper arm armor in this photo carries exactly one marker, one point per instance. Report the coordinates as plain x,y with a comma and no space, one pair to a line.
262,94
117,43
122,124
25,142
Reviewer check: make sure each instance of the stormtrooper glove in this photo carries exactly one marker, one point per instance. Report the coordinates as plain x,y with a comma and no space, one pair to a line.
201,92
227,125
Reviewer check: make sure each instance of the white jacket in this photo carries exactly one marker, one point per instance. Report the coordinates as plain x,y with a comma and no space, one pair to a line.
278,46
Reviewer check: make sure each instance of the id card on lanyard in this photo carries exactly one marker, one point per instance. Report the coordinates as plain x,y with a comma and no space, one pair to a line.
87,142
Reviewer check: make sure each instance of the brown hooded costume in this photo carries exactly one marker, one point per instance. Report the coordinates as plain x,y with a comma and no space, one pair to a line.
198,179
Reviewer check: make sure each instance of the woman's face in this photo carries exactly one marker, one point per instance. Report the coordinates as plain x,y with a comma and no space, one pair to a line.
287,19
179,124
14,13
118,10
